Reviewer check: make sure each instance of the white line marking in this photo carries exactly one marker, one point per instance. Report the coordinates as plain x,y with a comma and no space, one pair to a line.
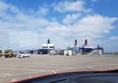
99,67
90,67
14,80
53,71
23,69
58,66
23,73
38,66
3,73
3,77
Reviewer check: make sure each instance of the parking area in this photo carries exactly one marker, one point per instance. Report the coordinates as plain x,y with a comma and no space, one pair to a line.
13,69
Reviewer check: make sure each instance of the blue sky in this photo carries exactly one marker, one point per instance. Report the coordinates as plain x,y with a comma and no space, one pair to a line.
29,23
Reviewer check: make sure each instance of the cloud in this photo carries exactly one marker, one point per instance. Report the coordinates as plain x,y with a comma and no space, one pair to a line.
110,44
68,6
4,39
89,27
3,6
31,30
24,38
93,26
18,28
42,11
114,38
70,18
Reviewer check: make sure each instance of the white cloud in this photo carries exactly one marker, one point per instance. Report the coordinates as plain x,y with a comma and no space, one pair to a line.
114,38
110,44
3,6
67,6
4,39
71,18
32,30
24,38
94,26
20,27
42,11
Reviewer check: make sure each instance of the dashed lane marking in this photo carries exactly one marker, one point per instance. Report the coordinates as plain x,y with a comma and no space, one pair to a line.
23,73
53,71
24,69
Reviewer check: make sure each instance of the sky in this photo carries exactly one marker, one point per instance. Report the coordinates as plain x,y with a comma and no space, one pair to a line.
27,24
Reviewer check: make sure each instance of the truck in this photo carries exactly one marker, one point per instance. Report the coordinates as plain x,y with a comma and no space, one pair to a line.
9,53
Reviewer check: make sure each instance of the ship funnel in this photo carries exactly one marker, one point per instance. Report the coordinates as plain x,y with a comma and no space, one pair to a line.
48,41
75,44
85,42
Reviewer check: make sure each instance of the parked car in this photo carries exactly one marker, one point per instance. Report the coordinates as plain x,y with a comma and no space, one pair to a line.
23,54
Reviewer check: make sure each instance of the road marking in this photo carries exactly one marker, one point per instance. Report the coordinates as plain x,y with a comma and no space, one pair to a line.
97,67
3,77
53,71
90,67
23,73
56,67
38,66
23,69
4,73
14,80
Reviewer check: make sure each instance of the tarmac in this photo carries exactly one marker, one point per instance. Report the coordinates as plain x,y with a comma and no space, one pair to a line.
13,69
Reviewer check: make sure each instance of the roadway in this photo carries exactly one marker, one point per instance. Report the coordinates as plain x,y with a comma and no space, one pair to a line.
13,69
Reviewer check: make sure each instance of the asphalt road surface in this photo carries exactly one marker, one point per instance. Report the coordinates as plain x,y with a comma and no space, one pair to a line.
13,69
